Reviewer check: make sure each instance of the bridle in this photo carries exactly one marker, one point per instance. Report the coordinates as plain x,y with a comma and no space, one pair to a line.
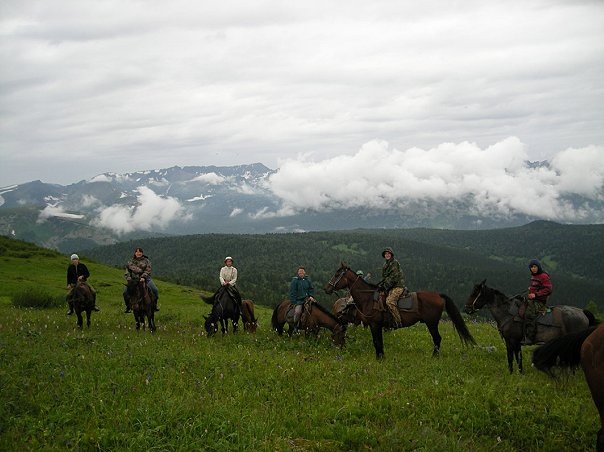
338,276
473,304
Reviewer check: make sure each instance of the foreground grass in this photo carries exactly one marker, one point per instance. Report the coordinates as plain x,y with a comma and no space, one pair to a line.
113,388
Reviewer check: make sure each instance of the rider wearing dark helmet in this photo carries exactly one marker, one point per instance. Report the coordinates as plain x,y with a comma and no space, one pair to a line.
392,282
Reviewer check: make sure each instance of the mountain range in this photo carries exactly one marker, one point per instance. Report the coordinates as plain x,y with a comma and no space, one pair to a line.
230,199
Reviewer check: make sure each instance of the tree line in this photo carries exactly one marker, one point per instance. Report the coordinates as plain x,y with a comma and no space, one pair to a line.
446,261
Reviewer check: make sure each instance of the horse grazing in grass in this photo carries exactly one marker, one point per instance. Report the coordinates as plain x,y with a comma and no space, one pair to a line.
586,348
561,320
424,307
224,307
314,316
83,301
142,302
250,323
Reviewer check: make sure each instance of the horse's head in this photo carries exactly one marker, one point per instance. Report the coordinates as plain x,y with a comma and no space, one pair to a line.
478,297
338,335
340,279
211,324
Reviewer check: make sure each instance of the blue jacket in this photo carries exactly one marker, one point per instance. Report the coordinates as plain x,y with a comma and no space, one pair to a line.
299,289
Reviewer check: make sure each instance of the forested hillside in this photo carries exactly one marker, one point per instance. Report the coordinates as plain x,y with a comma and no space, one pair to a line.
447,261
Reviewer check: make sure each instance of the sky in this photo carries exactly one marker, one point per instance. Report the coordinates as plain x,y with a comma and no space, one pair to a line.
88,87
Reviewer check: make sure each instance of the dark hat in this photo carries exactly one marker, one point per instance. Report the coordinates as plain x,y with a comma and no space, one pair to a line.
389,250
537,263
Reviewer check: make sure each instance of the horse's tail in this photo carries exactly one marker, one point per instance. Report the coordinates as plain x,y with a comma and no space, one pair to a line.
275,320
564,351
458,321
592,318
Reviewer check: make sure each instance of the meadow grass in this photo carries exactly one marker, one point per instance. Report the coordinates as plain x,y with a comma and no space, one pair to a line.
111,387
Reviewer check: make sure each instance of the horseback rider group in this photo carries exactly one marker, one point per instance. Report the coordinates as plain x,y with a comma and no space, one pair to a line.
301,289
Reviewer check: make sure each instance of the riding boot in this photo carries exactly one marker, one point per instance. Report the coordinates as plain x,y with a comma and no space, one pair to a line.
95,308
529,332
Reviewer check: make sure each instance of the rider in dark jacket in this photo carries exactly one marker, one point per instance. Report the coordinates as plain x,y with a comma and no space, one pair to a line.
300,290
538,293
77,272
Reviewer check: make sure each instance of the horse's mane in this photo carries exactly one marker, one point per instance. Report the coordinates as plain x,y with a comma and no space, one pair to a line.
326,311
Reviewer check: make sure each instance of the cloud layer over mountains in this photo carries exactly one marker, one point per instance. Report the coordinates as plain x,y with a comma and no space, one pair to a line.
495,181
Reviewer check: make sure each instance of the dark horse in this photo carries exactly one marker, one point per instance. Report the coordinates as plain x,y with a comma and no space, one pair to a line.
224,307
562,320
142,302
586,348
429,309
83,301
250,323
314,316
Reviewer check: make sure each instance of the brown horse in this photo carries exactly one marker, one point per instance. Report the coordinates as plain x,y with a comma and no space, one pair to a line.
429,309
83,301
314,316
142,302
250,323
345,311
587,348
562,320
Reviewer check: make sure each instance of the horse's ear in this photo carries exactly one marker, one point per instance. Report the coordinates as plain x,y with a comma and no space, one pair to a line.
344,264
483,282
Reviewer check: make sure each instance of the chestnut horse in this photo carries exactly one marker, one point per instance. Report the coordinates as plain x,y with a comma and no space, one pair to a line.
429,309
142,302
563,320
586,348
83,301
314,316
250,323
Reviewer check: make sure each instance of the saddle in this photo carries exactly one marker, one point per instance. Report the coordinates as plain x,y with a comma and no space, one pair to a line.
407,302
518,307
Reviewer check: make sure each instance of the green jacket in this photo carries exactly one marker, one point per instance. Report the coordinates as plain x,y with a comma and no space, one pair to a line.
299,289
392,275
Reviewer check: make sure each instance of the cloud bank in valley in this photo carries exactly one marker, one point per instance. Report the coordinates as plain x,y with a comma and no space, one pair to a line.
152,212
497,180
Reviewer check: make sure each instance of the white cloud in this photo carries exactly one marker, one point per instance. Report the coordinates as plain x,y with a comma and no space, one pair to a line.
210,179
152,212
236,211
496,179
190,83
56,211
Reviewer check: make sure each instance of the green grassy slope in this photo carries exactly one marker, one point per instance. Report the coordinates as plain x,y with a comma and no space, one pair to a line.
112,388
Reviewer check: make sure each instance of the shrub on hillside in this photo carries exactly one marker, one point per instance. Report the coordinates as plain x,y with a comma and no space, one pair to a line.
37,298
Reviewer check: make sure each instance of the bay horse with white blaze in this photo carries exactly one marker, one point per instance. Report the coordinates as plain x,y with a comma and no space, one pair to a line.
428,309
586,348
561,320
